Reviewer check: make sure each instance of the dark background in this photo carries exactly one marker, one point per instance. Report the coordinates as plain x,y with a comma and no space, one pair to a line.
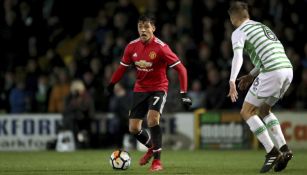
49,43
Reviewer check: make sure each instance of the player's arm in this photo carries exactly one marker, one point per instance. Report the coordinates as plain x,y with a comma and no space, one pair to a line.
182,74
119,73
236,64
183,79
238,39
174,62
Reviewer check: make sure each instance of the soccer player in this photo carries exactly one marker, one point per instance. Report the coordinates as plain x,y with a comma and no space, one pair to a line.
150,57
273,72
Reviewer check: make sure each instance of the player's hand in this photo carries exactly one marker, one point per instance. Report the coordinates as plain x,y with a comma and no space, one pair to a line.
233,94
186,101
245,81
110,88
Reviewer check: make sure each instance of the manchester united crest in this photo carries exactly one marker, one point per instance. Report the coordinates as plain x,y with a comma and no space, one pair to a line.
152,55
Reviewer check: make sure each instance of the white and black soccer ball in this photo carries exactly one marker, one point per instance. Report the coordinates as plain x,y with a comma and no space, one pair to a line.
120,160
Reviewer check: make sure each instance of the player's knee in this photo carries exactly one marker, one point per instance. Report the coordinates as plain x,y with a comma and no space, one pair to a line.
152,122
153,118
134,130
243,113
246,113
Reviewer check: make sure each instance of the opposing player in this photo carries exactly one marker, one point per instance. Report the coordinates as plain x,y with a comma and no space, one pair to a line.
273,72
151,57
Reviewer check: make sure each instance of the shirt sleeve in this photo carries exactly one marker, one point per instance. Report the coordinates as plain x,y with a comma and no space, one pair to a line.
126,59
236,65
183,77
238,39
169,56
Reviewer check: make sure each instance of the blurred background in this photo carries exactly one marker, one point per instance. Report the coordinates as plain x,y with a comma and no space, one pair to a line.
57,58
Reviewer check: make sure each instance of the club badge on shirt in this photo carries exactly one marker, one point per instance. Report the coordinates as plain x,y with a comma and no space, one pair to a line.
152,55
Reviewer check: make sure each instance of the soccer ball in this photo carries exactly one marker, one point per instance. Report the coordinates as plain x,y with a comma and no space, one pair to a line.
120,160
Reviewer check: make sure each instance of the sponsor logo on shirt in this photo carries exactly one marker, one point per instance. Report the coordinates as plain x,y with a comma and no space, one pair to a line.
135,55
143,65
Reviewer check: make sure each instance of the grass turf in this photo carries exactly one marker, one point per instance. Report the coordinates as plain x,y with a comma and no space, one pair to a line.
204,162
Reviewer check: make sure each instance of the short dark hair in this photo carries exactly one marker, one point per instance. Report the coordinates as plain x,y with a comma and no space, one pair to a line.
239,8
147,18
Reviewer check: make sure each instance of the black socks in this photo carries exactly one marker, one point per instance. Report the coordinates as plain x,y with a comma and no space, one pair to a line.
143,137
156,137
284,148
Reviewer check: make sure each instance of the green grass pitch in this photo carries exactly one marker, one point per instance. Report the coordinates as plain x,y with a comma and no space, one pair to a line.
206,162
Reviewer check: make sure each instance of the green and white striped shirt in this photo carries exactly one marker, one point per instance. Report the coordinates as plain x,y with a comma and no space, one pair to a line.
261,44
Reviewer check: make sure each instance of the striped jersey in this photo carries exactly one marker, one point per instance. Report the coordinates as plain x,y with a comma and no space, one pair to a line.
263,47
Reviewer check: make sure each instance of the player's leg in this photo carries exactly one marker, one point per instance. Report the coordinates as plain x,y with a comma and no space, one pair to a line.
274,128
138,112
278,83
153,120
255,124
272,124
135,128
248,112
136,115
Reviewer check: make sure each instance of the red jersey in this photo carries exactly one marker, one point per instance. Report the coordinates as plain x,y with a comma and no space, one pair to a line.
151,61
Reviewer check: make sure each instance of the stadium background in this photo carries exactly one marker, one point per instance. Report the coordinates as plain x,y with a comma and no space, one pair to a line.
47,44
41,38
51,43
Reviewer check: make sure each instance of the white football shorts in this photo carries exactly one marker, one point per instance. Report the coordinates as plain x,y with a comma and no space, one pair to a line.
269,87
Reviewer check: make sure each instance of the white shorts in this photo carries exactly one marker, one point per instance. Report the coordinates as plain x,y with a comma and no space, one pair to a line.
269,87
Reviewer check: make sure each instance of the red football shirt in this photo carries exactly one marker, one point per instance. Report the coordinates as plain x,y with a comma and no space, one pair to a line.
151,61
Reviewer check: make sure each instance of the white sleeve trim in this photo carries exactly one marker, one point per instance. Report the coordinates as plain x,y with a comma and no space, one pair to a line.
124,64
178,62
236,65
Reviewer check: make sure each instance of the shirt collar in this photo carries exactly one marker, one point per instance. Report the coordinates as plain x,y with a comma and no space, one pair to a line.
246,21
150,41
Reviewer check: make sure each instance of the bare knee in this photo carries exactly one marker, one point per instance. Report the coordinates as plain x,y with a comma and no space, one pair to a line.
153,118
133,130
245,114
152,122
135,126
248,110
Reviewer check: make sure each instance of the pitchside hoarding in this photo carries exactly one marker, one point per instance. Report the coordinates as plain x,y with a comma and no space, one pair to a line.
221,130
178,131
27,131
217,130
294,127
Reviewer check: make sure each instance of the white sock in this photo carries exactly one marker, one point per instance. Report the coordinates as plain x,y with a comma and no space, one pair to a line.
274,128
259,129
